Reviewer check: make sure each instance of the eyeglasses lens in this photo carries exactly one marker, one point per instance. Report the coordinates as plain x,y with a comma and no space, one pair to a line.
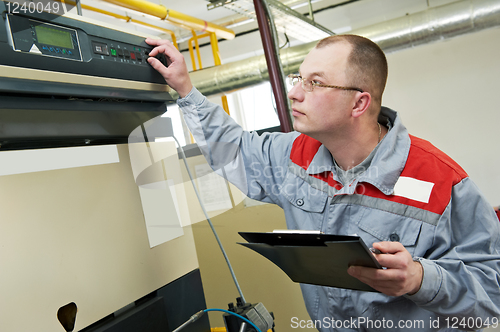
306,84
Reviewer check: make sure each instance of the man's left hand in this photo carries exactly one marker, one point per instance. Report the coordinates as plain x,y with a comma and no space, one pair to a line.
401,276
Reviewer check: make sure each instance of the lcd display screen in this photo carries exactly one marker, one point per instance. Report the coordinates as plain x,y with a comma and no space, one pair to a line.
54,37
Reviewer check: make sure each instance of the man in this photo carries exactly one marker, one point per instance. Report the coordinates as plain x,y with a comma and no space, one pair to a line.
352,168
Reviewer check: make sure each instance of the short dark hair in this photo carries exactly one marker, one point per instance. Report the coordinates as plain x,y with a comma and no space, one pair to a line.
367,64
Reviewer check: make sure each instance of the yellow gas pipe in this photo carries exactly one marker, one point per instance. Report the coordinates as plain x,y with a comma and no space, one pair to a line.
174,17
121,17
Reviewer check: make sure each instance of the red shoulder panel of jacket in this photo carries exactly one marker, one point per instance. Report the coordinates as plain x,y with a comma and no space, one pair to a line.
303,150
429,164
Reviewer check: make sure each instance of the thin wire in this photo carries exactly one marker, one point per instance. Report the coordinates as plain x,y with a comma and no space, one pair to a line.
186,323
287,41
192,319
311,13
210,222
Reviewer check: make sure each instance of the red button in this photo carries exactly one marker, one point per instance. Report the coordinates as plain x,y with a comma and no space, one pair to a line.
132,56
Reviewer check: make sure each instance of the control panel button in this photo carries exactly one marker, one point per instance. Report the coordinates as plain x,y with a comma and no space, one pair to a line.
100,48
113,51
126,53
138,56
132,55
120,52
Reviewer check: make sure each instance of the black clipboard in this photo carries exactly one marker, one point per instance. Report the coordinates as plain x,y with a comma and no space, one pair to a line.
318,259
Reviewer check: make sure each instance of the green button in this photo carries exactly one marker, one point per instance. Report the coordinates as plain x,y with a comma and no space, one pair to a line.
64,51
113,52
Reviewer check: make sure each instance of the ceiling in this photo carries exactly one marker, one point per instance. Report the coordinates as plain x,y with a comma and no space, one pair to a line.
198,8
339,16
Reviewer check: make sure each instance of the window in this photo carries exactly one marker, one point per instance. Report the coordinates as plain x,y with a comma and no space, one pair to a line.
254,107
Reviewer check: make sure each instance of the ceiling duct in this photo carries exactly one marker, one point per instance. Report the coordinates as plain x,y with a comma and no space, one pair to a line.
286,19
424,27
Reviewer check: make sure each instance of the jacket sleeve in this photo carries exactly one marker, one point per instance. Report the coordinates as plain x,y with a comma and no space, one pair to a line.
255,164
462,269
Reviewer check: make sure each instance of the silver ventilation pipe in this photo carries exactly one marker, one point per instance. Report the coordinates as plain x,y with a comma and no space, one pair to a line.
424,27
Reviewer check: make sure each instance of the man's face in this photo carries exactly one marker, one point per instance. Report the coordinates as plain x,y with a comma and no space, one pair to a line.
323,111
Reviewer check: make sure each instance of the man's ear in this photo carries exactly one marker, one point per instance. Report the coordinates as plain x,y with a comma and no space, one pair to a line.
361,103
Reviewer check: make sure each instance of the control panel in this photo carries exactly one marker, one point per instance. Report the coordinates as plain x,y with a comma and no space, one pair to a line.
67,80
74,45
28,35
118,51
36,37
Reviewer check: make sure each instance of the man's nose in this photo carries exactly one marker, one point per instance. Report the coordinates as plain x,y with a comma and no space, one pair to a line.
296,93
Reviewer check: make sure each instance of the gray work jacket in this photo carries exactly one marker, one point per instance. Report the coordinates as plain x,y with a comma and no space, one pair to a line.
411,193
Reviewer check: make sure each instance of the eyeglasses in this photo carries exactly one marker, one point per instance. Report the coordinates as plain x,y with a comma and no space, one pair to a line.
309,85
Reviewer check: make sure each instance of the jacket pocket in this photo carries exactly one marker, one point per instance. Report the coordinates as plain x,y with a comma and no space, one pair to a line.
302,195
385,226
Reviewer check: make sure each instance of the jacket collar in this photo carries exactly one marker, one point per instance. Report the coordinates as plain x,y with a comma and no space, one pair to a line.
388,162
322,162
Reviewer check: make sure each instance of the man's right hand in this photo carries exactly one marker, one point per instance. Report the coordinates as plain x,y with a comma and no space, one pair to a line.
176,74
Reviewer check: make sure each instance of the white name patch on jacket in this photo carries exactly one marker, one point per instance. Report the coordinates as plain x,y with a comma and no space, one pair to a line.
411,188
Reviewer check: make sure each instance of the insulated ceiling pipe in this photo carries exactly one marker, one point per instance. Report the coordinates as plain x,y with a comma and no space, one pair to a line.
424,27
